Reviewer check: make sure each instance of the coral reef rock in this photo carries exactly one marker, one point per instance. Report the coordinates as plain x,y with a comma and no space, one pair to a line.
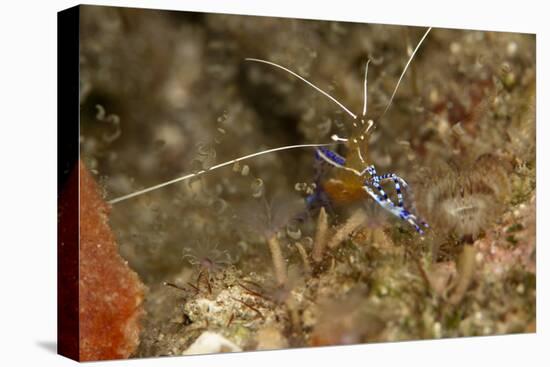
210,342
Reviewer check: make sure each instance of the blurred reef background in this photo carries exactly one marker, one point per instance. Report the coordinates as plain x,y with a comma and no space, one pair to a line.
235,259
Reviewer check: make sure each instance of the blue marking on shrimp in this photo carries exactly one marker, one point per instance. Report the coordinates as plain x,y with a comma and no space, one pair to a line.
329,156
384,201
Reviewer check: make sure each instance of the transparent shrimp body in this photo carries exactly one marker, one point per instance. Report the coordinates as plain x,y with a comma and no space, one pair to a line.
355,176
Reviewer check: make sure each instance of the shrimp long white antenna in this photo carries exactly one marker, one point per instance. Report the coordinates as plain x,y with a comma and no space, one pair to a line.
365,89
196,174
307,82
405,70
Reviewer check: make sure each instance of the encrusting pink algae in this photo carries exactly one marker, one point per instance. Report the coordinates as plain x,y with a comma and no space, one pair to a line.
110,293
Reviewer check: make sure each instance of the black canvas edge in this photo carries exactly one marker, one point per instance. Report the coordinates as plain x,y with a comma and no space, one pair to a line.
68,110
